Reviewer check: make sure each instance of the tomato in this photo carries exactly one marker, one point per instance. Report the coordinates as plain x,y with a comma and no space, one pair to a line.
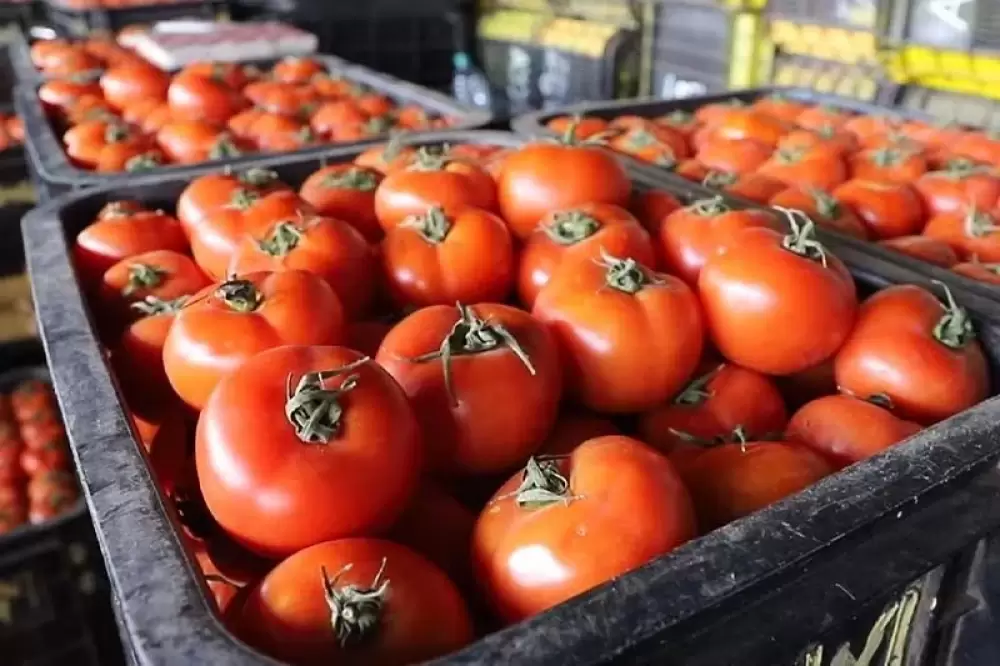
32,398
924,248
330,117
219,234
893,165
276,133
223,326
888,210
807,385
871,129
921,354
293,69
682,121
53,456
386,157
149,117
374,104
318,440
823,170
61,94
656,145
484,382
755,187
138,357
161,274
105,145
573,429
734,156
413,117
630,338
730,481
798,289
819,118
128,83
846,430
960,185
121,234
566,525
11,473
193,141
363,602
581,127
710,408
689,237
651,207
972,233
750,124
714,113
979,147
829,138
438,258
194,96
822,209
333,250
213,192
346,192
988,273
783,108
583,232
542,177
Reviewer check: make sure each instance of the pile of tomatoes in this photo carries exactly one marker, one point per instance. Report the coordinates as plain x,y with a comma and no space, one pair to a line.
124,114
927,191
436,391
36,478
11,131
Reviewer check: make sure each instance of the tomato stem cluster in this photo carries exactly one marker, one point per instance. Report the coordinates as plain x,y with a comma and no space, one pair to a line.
355,612
571,227
954,329
627,275
257,177
695,393
719,179
710,207
542,484
802,238
143,276
315,411
352,179
239,295
151,305
284,238
978,224
433,226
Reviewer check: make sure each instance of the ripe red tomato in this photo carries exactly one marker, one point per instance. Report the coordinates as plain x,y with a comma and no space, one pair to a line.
692,170
484,381
386,157
960,185
586,232
208,194
821,208
297,69
630,338
820,117
972,233
331,117
51,457
730,481
582,127
51,501
799,289
845,430
978,146
780,107
839,141
223,326
739,156
755,187
682,121
167,445
194,96
138,358
439,258
924,248
194,141
107,145
346,192
691,236
122,233
60,94
42,430
749,124
657,145
921,354
318,440
888,210
131,82
326,247
892,165
363,602
823,170
988,273
710,408
542,177
433,180
163,275
568,524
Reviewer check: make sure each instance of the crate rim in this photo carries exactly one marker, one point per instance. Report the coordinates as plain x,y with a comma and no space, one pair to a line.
73,352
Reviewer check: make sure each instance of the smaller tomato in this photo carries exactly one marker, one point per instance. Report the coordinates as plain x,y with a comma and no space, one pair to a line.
893,165
821,208
829,138
297,69
821,117
60,94
215,192
193,141
972,233
846,430
211,99
579,127
386,157
924,248
132,82
959,185
755,187
780,107
138,358
692,170
659,146
734,156
749,124
888,210
330,117
814,168
346,192
682,121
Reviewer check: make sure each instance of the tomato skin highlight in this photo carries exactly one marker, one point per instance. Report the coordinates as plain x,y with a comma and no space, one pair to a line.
498,410
256,472
626,505
423,616
894,351
845,430
622,352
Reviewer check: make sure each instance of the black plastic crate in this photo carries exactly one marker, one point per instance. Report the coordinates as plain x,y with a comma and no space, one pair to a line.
56,174
72,22
692,46
971,639
751,593
960,26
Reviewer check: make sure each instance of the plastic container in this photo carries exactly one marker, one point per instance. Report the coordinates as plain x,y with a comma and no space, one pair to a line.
71,21
970,639
55,174
751,593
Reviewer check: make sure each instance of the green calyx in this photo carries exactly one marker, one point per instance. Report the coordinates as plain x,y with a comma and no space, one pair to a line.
719,180
710,207
802,238
243,199
979,224
355,611
151,306
224,148
143,162
117,133
954,330
542,484
570,227
827,207
143,276
433,226
697,393
627,275
257,177
315,410
354,178
284,237
239,295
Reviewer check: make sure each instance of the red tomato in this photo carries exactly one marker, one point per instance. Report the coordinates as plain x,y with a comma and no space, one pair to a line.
362,602
386,157
691,236
711,407
755,187
542,177
433,180
439,258
326,247
566,525
767,283
131,82
924,248
42,431
888,210
979,147
682,121
122,234
225,325
739,156
988,273
216,192
780,107
107,145
194,141
892,165
692,170
731,481
193,96
921,354
578,127
657,145
960,185
52,457
839,141
484,381
584,232
60,94
138,358
973,234
822,170
167,447
749,124
334,451
630,338
346,192
818,118
846,430
297,69
821,208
